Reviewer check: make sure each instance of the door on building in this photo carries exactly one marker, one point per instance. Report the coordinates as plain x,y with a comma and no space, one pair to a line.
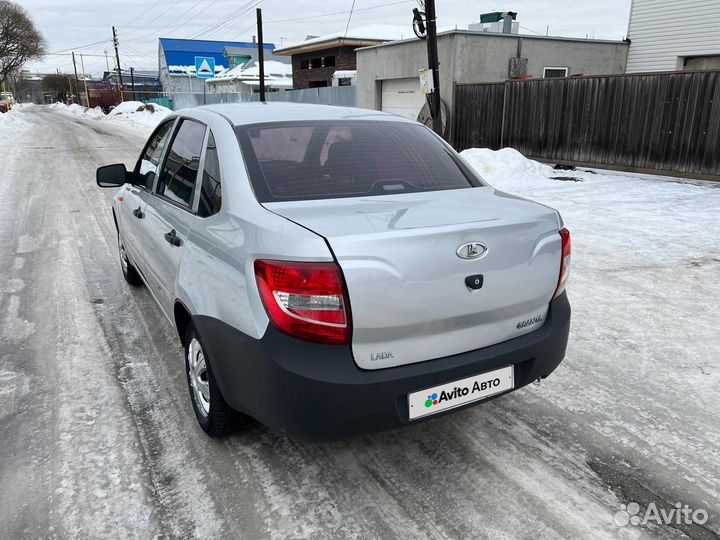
402,97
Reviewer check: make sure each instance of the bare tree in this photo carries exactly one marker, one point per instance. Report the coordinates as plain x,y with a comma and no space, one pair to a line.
20,41
21,87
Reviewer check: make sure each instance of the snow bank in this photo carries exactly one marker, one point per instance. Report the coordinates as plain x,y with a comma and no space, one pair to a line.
499,165
12,121
589,201
134,114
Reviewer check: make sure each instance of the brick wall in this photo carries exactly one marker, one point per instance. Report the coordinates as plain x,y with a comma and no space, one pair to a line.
307,78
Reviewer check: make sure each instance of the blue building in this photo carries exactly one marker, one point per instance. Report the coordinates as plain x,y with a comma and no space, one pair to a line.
176,61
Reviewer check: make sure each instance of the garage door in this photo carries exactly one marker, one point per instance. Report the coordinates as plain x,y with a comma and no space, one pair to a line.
402,97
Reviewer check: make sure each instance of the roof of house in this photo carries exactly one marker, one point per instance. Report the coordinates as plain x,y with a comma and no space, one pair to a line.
361,36
502,35
277,74
180,53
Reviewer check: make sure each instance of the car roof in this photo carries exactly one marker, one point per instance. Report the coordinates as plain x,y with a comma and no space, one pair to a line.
255,112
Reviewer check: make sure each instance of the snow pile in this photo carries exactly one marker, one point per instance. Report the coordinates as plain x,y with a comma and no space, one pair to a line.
11,122
79,110
589,200
135,114
504,163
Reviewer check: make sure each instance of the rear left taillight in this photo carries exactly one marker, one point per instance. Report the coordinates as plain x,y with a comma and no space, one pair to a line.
564,262
306,300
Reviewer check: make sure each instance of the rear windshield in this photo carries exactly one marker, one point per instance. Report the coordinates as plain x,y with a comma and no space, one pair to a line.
331,159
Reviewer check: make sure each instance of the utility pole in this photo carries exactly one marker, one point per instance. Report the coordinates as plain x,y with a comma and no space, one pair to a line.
117,59
435,107
77,84
132,81
261,54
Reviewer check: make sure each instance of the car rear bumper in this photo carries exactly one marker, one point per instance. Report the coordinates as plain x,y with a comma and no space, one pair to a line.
316,391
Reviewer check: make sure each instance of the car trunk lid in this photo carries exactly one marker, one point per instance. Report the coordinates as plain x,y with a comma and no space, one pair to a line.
405,260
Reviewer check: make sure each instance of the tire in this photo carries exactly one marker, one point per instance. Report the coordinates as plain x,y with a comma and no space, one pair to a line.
214,415
128,270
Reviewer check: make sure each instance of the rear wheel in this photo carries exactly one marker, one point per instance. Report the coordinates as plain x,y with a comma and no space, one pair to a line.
129,272
214,415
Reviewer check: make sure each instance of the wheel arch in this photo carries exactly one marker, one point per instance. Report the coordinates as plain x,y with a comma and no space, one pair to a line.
182,319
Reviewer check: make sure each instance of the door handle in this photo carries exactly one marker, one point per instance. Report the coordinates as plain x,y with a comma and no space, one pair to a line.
138,213
173,239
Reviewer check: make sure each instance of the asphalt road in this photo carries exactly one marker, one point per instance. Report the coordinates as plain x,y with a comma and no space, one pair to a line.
98,438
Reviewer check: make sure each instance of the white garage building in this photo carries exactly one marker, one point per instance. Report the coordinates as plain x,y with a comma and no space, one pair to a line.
388,77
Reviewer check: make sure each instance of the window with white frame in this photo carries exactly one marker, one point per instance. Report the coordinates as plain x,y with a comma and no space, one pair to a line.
555,72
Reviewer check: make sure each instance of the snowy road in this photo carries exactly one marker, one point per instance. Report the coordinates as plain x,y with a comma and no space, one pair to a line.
98,439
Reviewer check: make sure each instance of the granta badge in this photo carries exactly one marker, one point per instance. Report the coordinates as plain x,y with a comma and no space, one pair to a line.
529,322
472,250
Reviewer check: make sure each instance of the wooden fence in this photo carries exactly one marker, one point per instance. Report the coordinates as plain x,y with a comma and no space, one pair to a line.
667,122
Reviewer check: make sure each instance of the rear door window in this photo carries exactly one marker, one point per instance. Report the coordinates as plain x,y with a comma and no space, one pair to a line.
210,190
324,160
177,181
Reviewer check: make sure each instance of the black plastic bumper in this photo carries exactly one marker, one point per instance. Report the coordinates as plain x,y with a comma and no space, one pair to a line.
317,391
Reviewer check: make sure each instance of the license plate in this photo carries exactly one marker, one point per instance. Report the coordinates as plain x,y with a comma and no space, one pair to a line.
453,394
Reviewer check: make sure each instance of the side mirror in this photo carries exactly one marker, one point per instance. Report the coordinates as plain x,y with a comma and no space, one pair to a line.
112,175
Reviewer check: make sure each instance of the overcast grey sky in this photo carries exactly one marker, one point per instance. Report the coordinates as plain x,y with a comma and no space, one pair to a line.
70,24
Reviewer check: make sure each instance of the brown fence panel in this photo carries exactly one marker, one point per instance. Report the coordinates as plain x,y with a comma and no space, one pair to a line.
666,121
479,121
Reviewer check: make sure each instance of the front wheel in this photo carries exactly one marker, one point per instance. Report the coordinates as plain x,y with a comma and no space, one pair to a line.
214,415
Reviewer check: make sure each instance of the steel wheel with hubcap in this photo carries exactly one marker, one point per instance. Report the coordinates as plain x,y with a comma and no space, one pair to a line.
212,412
197,373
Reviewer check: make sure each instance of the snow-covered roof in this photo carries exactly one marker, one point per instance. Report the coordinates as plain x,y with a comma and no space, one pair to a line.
371,33
278,74
181,53
345,73
190,70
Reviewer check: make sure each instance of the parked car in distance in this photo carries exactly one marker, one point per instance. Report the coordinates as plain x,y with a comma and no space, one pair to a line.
7,101
336,271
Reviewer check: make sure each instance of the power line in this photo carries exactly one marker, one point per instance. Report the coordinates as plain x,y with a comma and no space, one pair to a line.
183,15
223,22
531,30
347,25
135,52
229,18
70,54
154,33
369,8
135,17
152,20
79,47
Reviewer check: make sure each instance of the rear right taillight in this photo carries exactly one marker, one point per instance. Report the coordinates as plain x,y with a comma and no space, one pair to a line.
564,262
306,300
